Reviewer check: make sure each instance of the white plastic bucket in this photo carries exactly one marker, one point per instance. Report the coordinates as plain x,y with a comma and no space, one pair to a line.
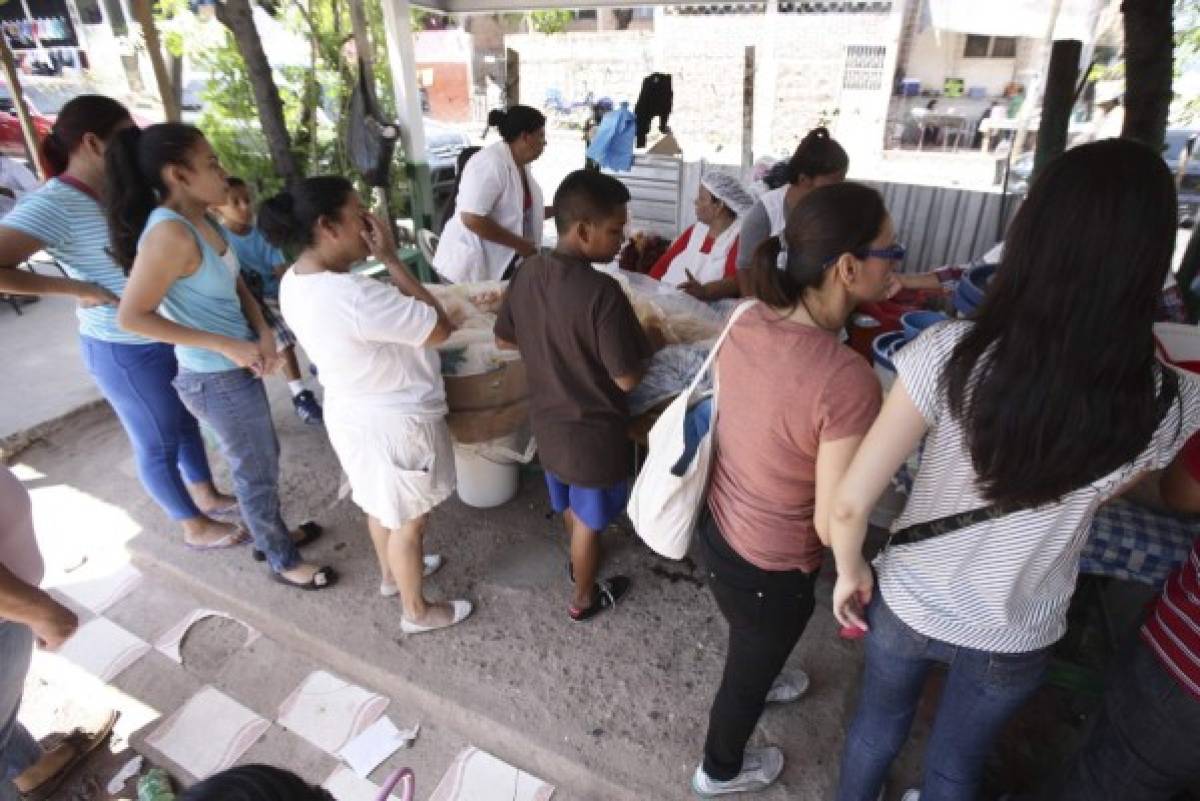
489,473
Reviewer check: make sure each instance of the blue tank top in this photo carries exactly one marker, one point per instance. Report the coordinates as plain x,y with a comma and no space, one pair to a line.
206,300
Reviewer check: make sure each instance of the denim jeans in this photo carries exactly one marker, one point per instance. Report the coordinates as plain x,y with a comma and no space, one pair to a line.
136,382
1146,742
233,403
18,749
767,611
982,692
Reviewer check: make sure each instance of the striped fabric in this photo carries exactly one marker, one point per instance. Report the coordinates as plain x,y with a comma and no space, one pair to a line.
71,225
1002,585
1173,628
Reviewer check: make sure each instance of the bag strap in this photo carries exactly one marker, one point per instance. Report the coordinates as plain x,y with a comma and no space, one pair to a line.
712,354
919,532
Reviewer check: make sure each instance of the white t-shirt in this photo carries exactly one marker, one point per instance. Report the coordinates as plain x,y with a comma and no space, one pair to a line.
365,338
1002,585
16,178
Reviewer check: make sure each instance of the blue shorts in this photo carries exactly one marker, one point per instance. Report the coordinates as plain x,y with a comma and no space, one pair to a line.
597,508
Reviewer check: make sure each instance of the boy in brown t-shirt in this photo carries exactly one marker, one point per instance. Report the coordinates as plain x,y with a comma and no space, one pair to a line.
583,350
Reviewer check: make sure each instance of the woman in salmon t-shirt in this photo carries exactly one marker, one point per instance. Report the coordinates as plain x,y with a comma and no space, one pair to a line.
707,251
795,404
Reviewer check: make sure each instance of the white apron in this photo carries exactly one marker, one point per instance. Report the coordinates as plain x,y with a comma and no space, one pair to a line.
490,187
705,267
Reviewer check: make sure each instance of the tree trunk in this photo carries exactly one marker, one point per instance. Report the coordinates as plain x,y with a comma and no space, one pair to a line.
1149,46
238,16
1057,101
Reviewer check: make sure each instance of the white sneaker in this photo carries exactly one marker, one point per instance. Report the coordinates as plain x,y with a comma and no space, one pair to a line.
462,610
911,795
433,563
789,686
760,768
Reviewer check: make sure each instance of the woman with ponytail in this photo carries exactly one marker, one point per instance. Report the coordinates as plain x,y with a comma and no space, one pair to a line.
184,288
65,218
795,404
385,406
499,209
818,161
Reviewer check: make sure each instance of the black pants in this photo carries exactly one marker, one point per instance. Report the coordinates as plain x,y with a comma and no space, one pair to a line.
767,612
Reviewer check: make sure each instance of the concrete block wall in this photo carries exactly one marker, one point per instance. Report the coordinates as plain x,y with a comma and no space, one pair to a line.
805,55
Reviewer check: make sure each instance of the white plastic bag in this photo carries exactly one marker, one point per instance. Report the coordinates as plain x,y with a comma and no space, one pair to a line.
668,494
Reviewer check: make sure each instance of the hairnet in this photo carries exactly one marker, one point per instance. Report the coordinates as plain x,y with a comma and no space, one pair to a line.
727,189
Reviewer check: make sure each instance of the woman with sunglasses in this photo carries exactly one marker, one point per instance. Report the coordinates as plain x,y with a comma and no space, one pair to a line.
795,403
982,566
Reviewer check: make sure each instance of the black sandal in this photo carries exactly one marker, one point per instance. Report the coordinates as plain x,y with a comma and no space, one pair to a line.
608,592
311,531
323,579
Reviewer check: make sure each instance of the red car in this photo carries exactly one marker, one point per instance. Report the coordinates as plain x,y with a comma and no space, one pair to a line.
12,141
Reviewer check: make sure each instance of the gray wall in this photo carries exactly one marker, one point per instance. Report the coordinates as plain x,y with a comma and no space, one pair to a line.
945,225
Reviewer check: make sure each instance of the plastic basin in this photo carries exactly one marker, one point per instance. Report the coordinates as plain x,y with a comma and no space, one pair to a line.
916,322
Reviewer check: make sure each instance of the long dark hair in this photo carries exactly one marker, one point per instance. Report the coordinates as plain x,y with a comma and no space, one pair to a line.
254,783
817,154
827,222
82,115
516,120
1070,389
288,220
134,187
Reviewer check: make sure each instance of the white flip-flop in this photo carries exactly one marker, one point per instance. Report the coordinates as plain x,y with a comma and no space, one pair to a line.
433,563
462,610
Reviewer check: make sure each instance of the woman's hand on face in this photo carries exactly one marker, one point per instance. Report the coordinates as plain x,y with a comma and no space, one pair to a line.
852,593
378,236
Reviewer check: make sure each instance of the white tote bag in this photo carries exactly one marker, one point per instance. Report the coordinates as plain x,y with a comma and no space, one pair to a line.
668,494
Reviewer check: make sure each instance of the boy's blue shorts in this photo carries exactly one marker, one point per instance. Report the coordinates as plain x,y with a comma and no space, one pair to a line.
597,508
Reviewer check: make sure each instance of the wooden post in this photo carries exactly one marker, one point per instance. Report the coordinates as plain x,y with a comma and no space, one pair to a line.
18,96
1034,93
1059,97
748,109
145,18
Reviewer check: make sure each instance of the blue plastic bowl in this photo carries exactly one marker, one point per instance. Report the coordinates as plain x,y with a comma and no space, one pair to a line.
975,283
916,322
962,302
885,345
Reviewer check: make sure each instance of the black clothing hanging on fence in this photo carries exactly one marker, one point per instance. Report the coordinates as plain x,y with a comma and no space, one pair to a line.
654,100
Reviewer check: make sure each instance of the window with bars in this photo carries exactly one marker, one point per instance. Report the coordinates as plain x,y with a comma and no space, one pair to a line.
864,67
978,46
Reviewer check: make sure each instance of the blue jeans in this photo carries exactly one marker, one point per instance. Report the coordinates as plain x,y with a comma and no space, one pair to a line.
18,749
168,448
1146,742
234,405
982,692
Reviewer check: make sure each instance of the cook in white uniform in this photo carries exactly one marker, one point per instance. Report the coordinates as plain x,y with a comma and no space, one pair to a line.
500,209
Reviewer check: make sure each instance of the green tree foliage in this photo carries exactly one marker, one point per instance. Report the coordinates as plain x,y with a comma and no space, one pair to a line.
315,97
550,21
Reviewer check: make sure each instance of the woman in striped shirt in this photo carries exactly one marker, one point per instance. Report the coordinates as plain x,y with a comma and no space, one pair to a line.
65,218
1046,404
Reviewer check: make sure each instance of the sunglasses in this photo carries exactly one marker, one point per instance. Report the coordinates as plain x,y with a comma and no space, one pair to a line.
896,252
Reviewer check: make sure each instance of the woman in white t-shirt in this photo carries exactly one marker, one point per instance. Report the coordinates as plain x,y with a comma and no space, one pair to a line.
385,404
1045,405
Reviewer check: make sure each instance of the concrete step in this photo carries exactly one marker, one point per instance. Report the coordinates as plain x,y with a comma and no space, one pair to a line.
613,708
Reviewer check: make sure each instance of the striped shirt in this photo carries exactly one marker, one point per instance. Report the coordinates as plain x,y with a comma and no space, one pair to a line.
1173,628
1002,585
72,229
